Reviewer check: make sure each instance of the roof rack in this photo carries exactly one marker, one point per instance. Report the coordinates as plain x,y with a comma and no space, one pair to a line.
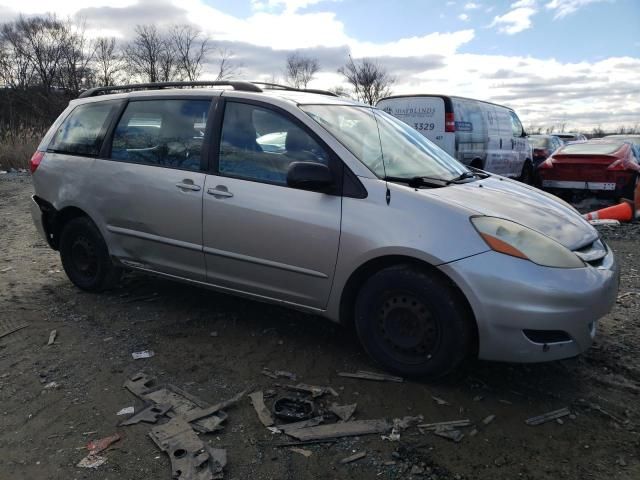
277,86
237,85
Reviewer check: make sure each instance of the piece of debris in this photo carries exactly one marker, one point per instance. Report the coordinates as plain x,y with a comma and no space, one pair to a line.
547,417
314,390
190,458
338,430
343,412
293,408
274,430
301,451
213,334
52,386
52,337
150,414
394,436
365,375
92,461
487,420
473,432
440,401
261,409
449,434
8,327
605,221
450,424
288,427
627,294
126,411
97,446
353,458
139,384
279,374
6,269
206,412
143,354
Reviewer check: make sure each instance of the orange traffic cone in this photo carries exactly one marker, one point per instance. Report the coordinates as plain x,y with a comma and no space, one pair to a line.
623,212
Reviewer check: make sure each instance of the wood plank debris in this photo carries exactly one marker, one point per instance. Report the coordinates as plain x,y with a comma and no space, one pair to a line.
52,337
288,427
451,424
487,420
449,434
375,376
301,451
547,417
338,430
257,399
353,458
314,390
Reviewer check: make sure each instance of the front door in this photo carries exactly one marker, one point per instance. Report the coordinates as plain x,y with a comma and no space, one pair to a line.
149,192
261,236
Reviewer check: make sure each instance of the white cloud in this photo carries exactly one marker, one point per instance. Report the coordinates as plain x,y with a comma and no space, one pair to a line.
290,6
471,6
464,17
517,19
562,8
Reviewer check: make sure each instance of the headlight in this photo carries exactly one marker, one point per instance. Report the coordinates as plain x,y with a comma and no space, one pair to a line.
519,241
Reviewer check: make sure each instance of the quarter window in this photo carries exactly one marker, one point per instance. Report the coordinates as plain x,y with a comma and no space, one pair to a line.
260,144
83,130
166,133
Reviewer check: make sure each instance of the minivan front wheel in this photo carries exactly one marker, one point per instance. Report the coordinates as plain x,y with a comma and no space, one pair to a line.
85,257
412,322
526,176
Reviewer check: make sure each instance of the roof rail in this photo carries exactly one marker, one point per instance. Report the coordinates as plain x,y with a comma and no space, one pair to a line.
237,85
276,86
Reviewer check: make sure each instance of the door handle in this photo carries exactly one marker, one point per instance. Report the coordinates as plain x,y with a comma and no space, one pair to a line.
188,186
220,191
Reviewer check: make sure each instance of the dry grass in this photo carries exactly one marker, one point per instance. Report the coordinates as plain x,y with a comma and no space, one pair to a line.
16,147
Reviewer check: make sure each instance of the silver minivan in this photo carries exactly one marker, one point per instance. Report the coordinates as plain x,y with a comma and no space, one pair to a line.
325,205
477,133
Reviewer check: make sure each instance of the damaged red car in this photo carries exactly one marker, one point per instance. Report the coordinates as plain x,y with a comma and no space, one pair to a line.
597,167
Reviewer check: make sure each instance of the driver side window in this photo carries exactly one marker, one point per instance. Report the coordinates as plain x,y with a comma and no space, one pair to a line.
259,144
166,133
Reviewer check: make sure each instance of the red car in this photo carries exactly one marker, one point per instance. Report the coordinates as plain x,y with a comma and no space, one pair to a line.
603,167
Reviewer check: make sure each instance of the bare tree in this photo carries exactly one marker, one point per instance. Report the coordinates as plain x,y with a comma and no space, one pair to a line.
227,68
144,53
108,64
300,70
370,81
16,71
191,48
74,73
340,91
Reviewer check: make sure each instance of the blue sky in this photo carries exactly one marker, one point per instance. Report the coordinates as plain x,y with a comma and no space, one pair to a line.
573,62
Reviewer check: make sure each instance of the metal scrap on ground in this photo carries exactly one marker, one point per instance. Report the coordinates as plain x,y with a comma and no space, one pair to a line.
451,424
143,354
150,414
338,430
288,427
52,337
279,374
93,460
314,390
301,451
547,417
293,408
365,375
449,433
257,399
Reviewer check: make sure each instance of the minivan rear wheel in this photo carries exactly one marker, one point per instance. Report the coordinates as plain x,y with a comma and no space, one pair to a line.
412,322
85,257
526,176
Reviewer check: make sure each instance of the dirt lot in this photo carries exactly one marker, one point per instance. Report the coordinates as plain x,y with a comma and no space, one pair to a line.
43,431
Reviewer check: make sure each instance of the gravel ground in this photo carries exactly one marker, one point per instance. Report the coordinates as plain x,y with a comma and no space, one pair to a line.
214,345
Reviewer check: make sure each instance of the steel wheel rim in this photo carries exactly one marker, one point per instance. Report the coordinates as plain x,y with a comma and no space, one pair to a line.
84,258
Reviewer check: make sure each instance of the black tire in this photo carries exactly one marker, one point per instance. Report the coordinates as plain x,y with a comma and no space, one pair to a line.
85,257
412,322
526,176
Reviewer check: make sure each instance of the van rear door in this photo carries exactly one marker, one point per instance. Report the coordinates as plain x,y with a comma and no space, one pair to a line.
426,114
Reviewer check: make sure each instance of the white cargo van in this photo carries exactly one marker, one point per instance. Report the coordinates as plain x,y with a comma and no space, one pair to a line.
477,133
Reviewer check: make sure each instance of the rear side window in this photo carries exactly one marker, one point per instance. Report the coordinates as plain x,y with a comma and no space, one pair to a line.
83,130
165,133
516,126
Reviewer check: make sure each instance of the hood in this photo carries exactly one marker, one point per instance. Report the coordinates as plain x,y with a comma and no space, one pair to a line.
511,200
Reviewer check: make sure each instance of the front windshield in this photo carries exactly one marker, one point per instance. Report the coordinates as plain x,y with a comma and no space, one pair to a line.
389,147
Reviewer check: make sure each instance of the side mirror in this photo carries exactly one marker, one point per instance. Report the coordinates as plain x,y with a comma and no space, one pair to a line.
309,176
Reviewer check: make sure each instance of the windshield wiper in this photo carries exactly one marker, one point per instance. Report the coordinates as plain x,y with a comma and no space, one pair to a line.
415,182
469,174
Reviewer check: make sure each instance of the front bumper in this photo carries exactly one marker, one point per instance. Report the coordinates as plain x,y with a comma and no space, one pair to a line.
510,295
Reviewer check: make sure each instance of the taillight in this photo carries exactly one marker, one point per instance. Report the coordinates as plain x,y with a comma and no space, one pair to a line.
449,122
617,165
548,163
36,158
